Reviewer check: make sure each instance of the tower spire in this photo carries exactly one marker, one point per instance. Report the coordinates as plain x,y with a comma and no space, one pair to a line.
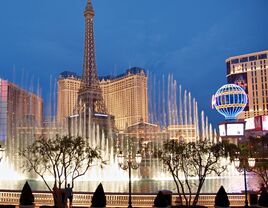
89,8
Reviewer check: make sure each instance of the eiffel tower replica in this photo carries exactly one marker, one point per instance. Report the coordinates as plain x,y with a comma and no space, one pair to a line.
90,104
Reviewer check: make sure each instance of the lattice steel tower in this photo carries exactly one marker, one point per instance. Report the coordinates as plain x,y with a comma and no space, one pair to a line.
90,94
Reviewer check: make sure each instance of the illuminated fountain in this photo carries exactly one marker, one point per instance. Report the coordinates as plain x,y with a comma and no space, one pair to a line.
177,111
178,115
96,137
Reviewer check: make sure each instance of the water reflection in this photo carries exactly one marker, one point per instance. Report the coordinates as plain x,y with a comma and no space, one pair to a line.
234,184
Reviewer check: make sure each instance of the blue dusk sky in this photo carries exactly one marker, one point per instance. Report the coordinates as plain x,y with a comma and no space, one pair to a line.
189,38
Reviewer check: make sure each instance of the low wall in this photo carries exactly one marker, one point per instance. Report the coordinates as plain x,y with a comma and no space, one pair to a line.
113,199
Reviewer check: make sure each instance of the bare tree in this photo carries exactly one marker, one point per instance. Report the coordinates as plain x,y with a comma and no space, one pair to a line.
65,158
195,159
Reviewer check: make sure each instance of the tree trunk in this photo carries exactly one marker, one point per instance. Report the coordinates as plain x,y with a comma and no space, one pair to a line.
175,177
56,199
59,198
198,192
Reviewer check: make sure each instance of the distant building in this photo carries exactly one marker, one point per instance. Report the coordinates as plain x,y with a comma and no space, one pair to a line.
145,132
68,87
250,71
18,108
125,96
183,132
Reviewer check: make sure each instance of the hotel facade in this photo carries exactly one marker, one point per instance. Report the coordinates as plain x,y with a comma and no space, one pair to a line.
68,87
250,71
18,108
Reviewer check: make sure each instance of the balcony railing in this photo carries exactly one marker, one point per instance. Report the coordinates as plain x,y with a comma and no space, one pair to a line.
113,199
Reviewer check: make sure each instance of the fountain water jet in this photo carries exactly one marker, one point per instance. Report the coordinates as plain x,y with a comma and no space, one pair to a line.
173,107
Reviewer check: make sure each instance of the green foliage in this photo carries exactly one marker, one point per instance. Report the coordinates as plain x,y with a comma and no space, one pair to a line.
160,200
26,197
221,199
61,157
99,198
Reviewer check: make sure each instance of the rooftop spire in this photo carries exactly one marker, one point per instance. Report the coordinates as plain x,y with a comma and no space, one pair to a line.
89,9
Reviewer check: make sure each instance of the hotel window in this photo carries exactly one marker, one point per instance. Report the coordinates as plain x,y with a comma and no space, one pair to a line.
245,59
252,58
262,56
235,61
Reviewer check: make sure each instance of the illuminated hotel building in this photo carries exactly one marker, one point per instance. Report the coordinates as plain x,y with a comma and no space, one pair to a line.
250,71
125,96
68,87
17,106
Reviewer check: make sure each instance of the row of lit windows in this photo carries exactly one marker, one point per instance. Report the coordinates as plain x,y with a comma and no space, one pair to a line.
250,58
243,67
120,87
257,109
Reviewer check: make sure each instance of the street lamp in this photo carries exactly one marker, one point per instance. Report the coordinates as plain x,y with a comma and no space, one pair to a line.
1,152
128,162
251,163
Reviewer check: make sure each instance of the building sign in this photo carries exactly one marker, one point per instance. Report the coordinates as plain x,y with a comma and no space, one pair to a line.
258,123
250,124
235,129
222,130
240,80
265,123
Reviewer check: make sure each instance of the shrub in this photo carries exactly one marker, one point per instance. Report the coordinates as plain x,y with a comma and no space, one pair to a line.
26,197
263,200
160,200
99,198
221,199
